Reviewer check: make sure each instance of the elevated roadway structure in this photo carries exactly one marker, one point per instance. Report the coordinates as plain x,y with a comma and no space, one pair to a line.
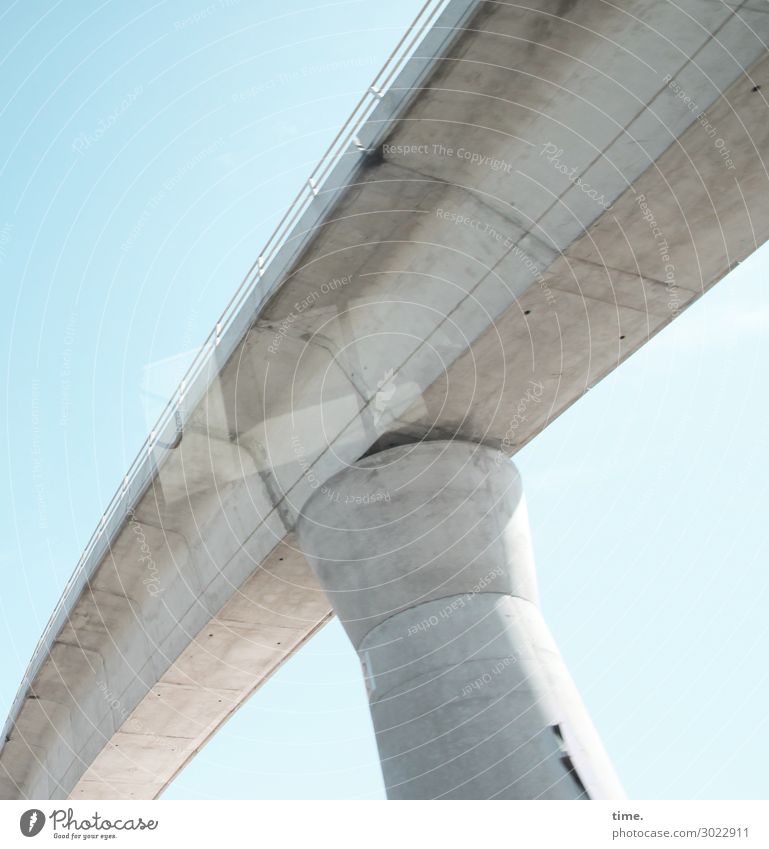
527,194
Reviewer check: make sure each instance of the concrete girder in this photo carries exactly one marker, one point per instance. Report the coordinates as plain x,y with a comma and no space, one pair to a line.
441,330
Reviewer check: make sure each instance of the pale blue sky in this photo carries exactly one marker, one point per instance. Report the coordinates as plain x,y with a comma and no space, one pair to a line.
118,249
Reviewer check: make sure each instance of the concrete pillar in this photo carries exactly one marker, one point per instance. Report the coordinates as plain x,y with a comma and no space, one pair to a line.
425,554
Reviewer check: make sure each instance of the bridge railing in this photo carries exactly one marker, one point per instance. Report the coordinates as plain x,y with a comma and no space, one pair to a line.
345,142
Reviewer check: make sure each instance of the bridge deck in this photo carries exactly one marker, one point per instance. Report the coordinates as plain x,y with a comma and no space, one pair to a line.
532,199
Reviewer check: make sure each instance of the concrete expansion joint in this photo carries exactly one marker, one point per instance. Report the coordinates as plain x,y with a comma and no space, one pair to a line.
250,624
122,596
155,735
632,273
276,496
280,504
323,343
79,646
315,340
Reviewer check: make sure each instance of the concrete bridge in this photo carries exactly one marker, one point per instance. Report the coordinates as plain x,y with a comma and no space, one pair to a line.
528,193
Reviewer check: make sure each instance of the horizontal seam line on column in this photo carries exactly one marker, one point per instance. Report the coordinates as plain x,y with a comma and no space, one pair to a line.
439,674
439,598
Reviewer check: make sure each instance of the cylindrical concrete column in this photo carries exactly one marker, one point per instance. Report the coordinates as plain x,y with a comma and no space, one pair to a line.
425,554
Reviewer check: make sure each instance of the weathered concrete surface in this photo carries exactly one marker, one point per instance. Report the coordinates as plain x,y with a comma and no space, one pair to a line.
425,553
397,321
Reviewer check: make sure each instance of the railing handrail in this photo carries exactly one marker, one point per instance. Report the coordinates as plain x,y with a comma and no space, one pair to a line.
277,239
